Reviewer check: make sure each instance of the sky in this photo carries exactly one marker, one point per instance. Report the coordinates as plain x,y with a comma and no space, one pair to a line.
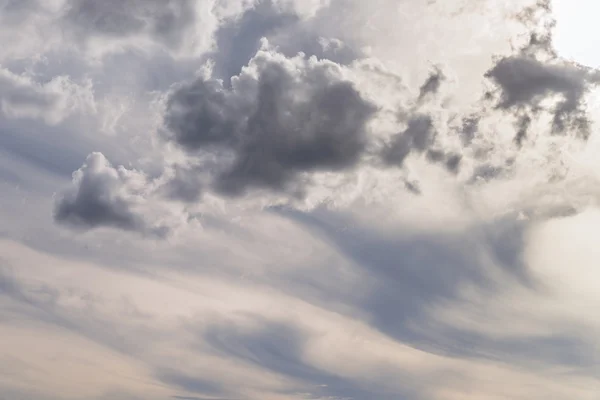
299,199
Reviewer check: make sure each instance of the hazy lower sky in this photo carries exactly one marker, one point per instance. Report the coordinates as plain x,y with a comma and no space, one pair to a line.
299,199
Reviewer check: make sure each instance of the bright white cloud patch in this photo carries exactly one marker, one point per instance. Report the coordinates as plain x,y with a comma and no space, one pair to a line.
223,199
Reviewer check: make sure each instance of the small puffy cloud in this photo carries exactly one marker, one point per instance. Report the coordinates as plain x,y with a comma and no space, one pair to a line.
104,196
281,118
522,124
432,85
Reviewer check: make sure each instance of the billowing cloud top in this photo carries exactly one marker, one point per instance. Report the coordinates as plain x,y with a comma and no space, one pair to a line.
281,117
296,199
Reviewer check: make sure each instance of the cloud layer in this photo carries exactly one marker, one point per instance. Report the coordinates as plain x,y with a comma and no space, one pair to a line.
287,200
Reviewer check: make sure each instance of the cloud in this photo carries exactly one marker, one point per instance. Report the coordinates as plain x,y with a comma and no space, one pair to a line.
432,85
184,185
284,26
53,101
536,75
104,196
523,125
282,117
468,129
418,136
169,22
450,161
527,82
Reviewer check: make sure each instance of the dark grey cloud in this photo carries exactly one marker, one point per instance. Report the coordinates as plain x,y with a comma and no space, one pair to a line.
164,20
450,160
203,114
100,197
291,117
525,82
432,85
536,74
418,136
413,187
523,124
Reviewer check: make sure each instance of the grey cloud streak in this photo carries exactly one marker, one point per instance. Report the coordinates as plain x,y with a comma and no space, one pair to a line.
407,275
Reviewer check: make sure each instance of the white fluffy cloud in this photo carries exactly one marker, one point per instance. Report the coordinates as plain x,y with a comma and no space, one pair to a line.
296,199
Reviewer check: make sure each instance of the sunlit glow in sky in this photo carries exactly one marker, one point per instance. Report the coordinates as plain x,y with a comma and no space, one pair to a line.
577,34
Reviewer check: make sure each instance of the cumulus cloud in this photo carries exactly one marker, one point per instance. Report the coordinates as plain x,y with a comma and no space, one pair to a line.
281,118
268,121
527,82
104,196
